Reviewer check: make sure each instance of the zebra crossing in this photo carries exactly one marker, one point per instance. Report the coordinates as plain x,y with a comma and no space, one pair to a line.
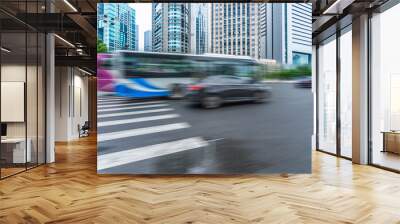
130,131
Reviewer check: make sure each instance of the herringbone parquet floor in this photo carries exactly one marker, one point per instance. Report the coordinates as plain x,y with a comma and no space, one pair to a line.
70,191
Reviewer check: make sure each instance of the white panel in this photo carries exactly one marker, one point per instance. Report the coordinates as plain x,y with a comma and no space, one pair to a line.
77,112
147,152
12,101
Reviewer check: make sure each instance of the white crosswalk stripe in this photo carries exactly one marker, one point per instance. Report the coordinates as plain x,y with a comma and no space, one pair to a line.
147,152
133,113
127,104
132,107
131,131
140,131
135,120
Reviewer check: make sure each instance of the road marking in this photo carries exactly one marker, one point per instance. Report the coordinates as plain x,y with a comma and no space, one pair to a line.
133,155
132,108
140,131
215,140
133,112
116,104
135,120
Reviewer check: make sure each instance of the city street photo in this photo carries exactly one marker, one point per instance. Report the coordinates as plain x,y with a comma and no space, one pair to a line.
204,88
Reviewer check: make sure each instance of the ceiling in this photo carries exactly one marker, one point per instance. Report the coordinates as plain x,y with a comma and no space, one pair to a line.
74,21
330,15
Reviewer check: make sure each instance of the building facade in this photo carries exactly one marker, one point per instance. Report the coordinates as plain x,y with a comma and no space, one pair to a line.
233,29
285,32
147,41
171,27
299,31
137,37
279,31
116,26
199,32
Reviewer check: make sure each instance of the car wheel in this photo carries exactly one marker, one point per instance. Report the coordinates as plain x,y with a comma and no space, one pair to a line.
259,97
210,102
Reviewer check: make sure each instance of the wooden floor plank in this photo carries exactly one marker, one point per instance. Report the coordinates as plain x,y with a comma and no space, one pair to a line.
70,191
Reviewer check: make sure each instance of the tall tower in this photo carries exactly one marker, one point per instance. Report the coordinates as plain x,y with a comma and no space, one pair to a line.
147,41
171,27
137,37
199,27
285,32
116,26
299,33
234,29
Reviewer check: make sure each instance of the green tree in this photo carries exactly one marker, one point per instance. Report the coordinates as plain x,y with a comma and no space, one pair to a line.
288,73
101,47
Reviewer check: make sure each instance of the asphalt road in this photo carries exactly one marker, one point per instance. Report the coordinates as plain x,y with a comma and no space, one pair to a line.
174,137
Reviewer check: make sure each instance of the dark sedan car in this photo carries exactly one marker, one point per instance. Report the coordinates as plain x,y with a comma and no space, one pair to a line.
304,82
213,91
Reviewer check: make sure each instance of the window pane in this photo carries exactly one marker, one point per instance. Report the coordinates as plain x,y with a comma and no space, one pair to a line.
327,96
13,86
386,89
346,94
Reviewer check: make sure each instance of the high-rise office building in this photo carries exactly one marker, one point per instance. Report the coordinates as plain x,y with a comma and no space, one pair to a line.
234,29
116,26
285,32
199,28
147,41
299,33
279,31
137,37
171,27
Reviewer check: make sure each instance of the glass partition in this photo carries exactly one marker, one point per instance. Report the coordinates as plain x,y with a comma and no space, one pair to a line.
13,109
385,89
346,93
327,96
22,89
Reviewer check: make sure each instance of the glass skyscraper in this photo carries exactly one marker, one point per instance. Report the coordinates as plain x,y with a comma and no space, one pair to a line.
199,27
137,37
285,32
171,27
279,31
234,29
116,26
147,41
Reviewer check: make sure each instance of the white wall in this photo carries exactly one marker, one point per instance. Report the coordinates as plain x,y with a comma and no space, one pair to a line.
33,125
14,73
80,109
71,102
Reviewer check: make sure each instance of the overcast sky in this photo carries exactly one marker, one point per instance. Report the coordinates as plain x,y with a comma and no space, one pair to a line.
143,20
